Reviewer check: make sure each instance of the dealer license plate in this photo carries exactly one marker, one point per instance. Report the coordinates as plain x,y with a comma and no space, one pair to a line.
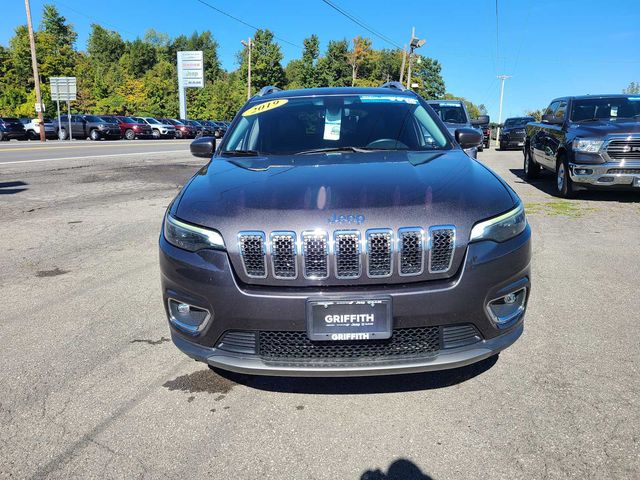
349,319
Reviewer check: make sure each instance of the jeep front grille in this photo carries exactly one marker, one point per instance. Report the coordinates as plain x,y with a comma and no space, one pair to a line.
347,254
283,255
411,245
379,253
253,251
315,250
624,149
441,243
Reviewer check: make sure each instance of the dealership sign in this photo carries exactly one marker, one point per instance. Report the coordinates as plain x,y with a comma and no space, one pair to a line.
190,69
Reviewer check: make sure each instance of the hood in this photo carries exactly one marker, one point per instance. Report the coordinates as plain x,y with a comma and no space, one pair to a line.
601,128
342,192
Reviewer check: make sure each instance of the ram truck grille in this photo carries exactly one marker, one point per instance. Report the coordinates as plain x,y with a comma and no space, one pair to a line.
624,149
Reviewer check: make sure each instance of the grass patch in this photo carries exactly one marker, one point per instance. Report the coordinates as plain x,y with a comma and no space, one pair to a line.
563,208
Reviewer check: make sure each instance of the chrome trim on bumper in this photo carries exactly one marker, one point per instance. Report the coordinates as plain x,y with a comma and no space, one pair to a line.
601,170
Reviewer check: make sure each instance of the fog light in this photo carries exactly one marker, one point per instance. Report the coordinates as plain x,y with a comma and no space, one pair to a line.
583,171
188,318
504,310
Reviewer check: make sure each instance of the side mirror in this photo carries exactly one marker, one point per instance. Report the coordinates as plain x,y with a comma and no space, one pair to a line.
468,137
203,147
552,119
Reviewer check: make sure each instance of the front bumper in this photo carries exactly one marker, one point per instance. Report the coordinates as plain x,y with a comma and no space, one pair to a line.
206,279
610,174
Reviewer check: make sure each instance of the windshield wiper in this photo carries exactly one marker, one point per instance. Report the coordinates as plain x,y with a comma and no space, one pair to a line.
338,149
241,153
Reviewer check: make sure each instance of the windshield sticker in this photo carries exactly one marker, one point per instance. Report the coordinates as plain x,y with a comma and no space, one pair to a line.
634,99
387,99
332,124
449,104
263,107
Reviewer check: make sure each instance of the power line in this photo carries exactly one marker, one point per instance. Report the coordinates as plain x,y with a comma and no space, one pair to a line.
93,19
245,23
359,22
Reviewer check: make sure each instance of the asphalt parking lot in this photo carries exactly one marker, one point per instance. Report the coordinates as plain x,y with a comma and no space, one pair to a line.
93,388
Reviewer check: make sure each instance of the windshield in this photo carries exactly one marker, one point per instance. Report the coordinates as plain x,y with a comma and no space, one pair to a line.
91,118
605,108
450,112
127,120
152,120
307,124
109,119
518,122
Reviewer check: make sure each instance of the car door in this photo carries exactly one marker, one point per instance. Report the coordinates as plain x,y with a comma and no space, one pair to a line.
539,140
555,134
77,126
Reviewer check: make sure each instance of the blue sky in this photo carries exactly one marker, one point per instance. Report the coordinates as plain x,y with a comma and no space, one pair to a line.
551,47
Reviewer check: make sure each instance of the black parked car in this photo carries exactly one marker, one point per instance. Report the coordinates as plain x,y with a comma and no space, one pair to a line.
512,132
215,129
87,126
11,127
589,142
343,231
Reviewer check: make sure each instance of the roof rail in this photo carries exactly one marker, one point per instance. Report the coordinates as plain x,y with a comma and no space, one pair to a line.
268,90
394,85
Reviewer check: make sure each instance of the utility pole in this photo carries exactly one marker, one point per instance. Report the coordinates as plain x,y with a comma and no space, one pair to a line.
404,56
249,45
413,44
36,76
502,78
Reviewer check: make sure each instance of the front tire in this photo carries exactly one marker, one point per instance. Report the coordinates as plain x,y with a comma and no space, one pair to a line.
503,146
564,184
156,134
531,168
129,134
62,134
94,135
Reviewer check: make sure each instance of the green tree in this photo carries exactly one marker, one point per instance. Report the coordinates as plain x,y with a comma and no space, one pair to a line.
266,56
537,114
104,46
633,88
303,72
138,58
358,56
386,65
426,72
333,68
472,109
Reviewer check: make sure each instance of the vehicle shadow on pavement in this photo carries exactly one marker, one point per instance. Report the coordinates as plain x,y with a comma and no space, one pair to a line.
8,188
401,469
546,184
362,385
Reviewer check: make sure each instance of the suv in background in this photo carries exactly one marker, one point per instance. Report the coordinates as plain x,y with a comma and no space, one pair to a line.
11,127
182,130
589,142
32,127
454,115
130,128
83,126
274,261
513,132
158,128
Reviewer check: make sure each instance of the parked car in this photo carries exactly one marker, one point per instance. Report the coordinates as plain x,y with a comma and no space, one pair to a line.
483,123
590,141
158,128
86,126
182,130
11,127
454,115
343,231
129,128
513,132
209,128
32,128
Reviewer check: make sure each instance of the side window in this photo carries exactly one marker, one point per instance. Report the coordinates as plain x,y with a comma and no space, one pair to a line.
551,108
560,111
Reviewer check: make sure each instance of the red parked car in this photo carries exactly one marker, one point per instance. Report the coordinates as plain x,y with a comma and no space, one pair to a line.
182,130
129,128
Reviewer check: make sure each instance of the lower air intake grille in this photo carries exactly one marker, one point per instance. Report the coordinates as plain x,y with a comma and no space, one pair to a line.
411,251
459,335
238,342
347,245
625,171
379,251
283,254
442,240
297,346
252,251
315,248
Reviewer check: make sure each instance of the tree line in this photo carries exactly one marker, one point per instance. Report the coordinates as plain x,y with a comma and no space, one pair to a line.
118,76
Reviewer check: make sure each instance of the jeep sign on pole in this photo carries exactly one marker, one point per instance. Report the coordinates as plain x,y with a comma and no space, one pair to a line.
63,88
190,75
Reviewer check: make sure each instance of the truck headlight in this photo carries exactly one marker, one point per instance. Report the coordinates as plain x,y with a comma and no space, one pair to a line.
500,228
189,237
587,145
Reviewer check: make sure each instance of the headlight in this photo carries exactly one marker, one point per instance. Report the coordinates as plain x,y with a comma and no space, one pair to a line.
502,227
587,145
189,237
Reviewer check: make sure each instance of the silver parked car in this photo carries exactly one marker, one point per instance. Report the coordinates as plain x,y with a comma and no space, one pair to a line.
32,127
159,129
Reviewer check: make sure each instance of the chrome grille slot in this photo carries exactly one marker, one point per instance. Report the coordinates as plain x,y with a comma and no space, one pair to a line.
410,245
283,255
441,245
347,253
315,249
379,252
252,251
624,171
624,149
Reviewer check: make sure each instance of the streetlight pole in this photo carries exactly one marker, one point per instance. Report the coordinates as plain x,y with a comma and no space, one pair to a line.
249,45
36,76
502,78
415,43
404,56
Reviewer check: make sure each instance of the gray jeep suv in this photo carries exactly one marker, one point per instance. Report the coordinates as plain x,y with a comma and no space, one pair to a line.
343,231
